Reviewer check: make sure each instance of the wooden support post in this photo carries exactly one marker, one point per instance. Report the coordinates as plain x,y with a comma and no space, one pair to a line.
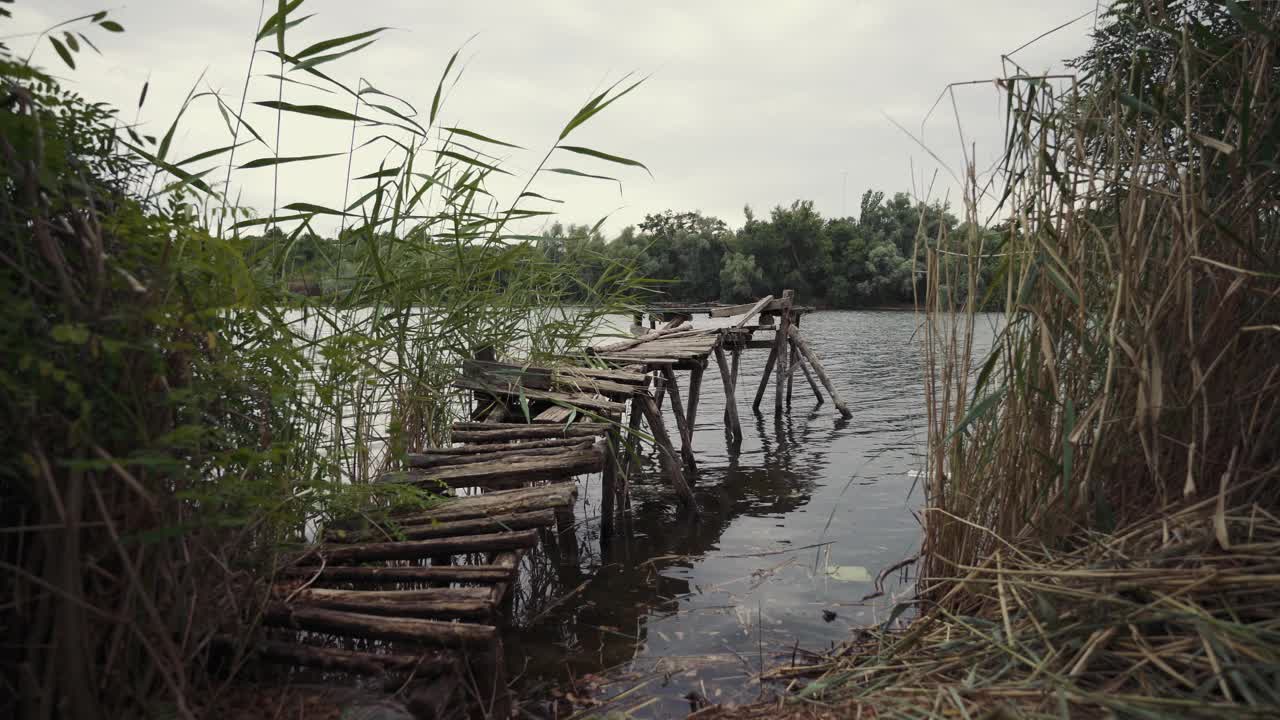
764,377
733,425
733,379
666,452
608,486
794,359
682,425
695,392
784,355
812,357
804,367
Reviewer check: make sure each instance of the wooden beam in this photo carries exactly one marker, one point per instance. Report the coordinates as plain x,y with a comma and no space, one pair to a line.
427,664
608,485
499,502
764,304
498,452
804,367
667,329
417,549
338,622
470,603
733,425
765,376
506,432
515,390
812,357
666,452
475,526
677,409
505,472
357,575
695,393
784,351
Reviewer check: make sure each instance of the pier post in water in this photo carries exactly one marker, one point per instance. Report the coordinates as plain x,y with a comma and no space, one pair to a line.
812,357
782,351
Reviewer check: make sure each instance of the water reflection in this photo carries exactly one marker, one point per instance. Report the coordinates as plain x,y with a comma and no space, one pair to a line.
697,604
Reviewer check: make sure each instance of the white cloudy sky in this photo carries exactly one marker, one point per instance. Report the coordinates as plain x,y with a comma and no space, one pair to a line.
754,102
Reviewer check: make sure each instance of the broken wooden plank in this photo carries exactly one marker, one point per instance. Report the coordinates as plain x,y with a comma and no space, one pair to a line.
361,625
816,364
417,549
469,603
474,526
505,472
476,574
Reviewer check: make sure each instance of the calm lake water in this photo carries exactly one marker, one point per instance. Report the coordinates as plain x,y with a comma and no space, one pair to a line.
679,604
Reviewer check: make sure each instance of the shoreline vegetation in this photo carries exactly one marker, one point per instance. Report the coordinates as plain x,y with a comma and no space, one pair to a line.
1102,520
1102,492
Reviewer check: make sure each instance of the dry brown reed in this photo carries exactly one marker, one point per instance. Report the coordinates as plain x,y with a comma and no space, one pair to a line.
1102,497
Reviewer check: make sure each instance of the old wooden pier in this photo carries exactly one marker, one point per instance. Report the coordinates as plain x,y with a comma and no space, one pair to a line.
432,584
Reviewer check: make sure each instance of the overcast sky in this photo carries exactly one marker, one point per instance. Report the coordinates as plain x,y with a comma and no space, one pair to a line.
757,103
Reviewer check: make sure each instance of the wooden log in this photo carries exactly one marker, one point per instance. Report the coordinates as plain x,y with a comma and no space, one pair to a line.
622,376
506,432
469,603
765,376
554,414
793,359
499,502
734,426
667,329
429,454
497,452
427,664
750,308
418,549
361,625
784,351
474,526
695,394
682,426
804,367
666,452
514,390
476,574
506,472
632,445
608,486
654,361
812,357
509,559
733,374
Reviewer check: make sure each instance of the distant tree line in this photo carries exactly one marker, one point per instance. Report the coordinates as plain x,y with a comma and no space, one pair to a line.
868,261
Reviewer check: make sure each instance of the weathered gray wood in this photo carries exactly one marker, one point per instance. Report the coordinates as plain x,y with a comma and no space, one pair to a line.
812,357
514,390
695,394
654,361
361,625
734,425
470,603
498,452
426,664
417,549
554,414
765,377
477,574
474,526
429,454
733,375
623,376
506,559
504,432
764,304
505,472
804,367
667,329
666,452
499,502
784,352
632,445
682,426
608,485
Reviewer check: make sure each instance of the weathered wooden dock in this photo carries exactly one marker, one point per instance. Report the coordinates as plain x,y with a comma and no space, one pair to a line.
430,586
